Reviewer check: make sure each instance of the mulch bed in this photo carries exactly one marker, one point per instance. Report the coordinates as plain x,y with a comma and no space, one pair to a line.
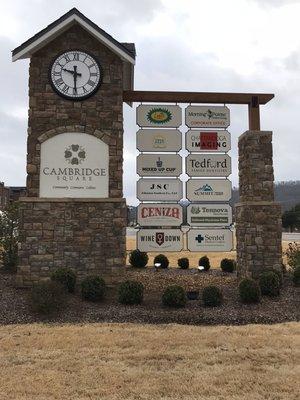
14,307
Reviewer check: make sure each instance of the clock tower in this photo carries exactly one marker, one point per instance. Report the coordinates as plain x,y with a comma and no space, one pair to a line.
74,214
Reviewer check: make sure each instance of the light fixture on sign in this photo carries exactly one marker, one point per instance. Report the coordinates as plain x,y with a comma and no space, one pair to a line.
201,268
157,266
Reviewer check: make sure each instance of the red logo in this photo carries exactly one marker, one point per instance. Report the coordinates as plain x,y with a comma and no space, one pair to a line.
160,238
208,140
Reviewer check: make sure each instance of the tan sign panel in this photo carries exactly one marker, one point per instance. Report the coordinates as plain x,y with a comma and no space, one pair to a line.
159,240
208,141
155,214
208,165
207,117
159,165
206,240
159,189
158,116
209,215
208,190
158,140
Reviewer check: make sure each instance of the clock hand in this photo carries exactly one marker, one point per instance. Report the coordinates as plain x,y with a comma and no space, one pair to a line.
68,70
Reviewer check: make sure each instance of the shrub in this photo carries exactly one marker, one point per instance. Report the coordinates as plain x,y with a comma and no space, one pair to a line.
296,276
212,296
47,297
9,221
174,296
162,259
293,254
138,259
269,284
228,265
131,292
66,277
278,273
183,263
204,262
249,291
93,288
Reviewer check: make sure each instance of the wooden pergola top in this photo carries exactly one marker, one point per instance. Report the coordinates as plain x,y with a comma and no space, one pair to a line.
197,97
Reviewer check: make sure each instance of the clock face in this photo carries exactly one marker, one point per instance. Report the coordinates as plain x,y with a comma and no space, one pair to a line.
75,75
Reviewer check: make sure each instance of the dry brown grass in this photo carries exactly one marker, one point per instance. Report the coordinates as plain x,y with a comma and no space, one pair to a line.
215,258
124,361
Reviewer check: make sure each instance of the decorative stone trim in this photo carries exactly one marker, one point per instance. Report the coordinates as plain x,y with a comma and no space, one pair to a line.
74,128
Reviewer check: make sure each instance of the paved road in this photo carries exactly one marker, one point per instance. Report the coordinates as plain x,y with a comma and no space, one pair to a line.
287,237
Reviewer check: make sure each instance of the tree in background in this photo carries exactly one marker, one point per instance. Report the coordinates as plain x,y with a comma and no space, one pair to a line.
9,220
291,218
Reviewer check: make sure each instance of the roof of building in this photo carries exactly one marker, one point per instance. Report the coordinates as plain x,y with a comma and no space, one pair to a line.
125,50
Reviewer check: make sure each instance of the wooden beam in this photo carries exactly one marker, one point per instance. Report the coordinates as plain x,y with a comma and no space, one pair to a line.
195,97
253,112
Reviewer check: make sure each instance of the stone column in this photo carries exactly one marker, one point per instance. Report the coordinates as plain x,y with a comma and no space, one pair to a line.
258,217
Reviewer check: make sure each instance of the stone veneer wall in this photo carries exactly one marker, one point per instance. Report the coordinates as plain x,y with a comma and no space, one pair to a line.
86,235
258,217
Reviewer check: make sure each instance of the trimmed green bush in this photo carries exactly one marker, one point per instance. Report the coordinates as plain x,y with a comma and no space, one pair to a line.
162,259
183,263
212,296
278,273
204,262
296,276
131,292
174,296
47,297
138,259
66,277
249,291
93,288
269,284
228,265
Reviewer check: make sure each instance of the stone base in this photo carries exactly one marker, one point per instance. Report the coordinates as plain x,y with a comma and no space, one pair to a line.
86,235
259,236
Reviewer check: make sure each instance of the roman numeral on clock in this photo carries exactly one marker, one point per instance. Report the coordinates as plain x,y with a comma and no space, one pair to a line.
59,82
75,56
65,89
91,83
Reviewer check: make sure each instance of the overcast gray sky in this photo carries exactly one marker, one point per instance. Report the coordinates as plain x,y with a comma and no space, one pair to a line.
193,45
